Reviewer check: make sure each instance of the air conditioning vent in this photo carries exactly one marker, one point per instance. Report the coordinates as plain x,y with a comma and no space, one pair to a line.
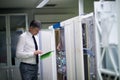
50,5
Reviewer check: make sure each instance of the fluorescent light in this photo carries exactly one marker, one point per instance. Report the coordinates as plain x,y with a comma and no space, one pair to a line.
42,3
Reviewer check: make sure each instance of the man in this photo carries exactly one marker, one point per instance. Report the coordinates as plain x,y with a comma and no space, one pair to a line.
27,51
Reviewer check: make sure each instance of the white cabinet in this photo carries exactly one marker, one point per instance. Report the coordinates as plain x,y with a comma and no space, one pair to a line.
73,48
48,65
72,40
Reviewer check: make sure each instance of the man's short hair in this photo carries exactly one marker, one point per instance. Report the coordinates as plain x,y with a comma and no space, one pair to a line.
35,24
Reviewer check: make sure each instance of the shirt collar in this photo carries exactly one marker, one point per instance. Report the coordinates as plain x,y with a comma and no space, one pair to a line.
30,34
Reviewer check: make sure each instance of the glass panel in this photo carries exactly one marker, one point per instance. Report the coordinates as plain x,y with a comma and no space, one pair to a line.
3,47
17,26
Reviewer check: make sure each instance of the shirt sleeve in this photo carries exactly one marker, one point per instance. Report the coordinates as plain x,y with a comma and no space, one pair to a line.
20,51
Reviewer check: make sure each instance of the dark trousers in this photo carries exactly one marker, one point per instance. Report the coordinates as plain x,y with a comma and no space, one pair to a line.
28,71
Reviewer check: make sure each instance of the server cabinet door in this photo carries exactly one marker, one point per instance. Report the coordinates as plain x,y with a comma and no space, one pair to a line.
48,64
73,48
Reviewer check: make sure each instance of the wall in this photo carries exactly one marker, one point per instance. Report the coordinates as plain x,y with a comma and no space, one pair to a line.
46,11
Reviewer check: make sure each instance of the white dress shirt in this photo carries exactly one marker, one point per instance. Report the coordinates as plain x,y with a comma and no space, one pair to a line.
26,47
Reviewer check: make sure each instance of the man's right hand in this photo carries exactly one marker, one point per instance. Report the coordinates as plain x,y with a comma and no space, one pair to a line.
38,52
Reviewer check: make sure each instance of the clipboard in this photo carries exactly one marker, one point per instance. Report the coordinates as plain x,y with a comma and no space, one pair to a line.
46,55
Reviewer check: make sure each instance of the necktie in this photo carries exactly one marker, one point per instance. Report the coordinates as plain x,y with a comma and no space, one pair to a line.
36,48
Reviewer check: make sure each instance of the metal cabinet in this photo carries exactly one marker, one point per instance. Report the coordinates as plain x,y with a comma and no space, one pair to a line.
107,40
73,48
48,65
11,26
